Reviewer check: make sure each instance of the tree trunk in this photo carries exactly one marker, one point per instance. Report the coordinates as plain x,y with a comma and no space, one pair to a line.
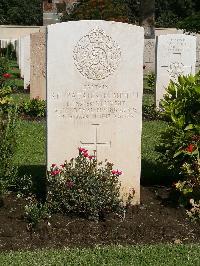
147,17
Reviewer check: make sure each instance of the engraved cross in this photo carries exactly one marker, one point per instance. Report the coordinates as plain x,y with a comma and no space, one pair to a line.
96,143
176,68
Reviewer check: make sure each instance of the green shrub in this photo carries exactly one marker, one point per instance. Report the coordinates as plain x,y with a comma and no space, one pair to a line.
151,80
6,101
8,144
194,212
2,191
35,213
190,24
4,65
22,185
181,103
149,113
33,108
85,187
10,52
180,142
4,68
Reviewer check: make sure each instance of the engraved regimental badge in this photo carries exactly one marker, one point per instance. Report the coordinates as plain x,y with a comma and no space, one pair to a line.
96,55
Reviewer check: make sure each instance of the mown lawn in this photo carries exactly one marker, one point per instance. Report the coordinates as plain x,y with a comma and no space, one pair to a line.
158,255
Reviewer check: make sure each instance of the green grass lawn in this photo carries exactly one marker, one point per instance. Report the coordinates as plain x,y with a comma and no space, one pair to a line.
31,142
158,255
20,97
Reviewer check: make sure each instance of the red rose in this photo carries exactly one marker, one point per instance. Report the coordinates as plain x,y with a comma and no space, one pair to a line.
85,154
116,172
81,149
190,148
56,172
53,165
6,75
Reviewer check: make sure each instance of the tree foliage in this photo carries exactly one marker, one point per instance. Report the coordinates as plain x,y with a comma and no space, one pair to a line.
170,13
21,12
116,10
191,23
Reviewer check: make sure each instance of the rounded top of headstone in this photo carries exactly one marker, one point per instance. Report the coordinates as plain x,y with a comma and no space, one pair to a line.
96,55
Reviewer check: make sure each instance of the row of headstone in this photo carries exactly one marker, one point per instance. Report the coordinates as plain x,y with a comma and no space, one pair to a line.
93,72
176,56
32,63
24,59
150,53
5,42
36,69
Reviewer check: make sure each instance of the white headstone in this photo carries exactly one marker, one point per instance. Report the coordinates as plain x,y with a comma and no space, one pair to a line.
198,54
21,59
17,51
26,61
149,55
94,95
176,56
38,66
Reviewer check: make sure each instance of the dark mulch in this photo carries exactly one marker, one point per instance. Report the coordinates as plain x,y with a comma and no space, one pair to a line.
154,221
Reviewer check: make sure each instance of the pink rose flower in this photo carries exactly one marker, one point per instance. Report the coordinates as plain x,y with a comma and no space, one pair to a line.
69,184
56,172
119,173
85,154
116,172
81,150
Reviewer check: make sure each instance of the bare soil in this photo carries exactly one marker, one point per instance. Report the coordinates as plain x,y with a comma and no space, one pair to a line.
156,220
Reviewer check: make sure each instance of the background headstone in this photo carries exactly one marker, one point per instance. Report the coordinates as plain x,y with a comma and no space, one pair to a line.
17,51
149,56
26,63
198,53
21,59
94,95
38,66
176,55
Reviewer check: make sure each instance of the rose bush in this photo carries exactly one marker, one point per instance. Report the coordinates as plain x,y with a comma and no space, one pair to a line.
85,187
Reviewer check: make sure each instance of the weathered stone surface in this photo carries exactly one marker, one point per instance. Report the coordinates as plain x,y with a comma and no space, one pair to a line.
38,66
149,56
176,55
94,95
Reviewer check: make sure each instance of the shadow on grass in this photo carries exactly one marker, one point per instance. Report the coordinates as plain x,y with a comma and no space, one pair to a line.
155,173
38,174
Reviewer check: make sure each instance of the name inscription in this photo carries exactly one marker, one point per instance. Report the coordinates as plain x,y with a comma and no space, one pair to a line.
178,45
93,105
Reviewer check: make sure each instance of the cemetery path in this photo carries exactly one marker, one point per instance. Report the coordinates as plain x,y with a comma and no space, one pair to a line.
156,220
